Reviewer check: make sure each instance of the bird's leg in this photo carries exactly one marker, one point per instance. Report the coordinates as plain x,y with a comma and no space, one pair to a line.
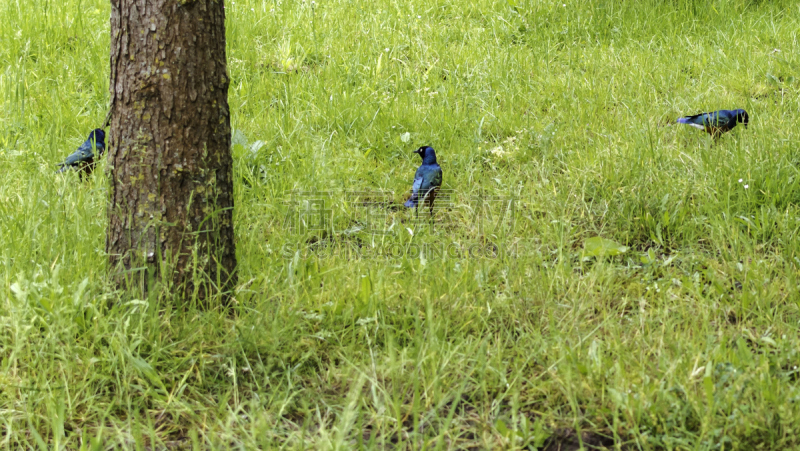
432,195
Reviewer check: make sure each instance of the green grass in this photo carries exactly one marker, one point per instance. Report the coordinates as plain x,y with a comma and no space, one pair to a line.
688,340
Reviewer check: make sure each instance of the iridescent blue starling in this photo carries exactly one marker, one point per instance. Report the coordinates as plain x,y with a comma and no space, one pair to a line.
717,122
427,180
83,158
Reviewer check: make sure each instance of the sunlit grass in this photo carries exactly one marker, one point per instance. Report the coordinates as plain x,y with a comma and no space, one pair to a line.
343,338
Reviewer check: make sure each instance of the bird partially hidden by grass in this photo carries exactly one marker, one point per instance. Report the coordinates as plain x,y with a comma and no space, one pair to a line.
83,159
427,180
717,122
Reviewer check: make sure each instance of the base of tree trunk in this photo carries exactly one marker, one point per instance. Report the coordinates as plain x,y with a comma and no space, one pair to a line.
170,167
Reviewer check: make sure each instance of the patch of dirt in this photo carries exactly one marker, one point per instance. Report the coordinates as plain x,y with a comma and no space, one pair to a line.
567,440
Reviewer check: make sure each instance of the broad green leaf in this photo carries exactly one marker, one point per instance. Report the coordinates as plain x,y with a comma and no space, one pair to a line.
601,247
502,428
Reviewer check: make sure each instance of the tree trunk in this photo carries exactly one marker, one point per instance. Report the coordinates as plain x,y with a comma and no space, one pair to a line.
170,165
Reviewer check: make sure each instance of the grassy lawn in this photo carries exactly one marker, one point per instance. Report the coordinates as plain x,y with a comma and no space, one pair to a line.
495,324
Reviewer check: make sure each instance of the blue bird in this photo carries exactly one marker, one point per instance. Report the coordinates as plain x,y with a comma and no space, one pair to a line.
83,158
717,122
427,180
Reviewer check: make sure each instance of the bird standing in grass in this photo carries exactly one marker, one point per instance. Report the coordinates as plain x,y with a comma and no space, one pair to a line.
427,180
717,122
83,158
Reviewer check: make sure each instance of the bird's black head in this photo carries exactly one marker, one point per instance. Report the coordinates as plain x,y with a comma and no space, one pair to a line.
743,117
98,135
427,154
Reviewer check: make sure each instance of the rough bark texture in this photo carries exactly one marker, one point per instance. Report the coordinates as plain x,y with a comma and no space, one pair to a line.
170,165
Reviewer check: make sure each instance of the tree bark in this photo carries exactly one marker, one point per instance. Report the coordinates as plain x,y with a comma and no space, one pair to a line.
170,165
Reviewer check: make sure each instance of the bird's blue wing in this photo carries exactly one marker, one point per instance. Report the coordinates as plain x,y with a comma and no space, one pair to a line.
719,119
78,156
83,154
87,148
427,177
431,179
415,188
696,121
724,119
436,177
419,180
713,119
